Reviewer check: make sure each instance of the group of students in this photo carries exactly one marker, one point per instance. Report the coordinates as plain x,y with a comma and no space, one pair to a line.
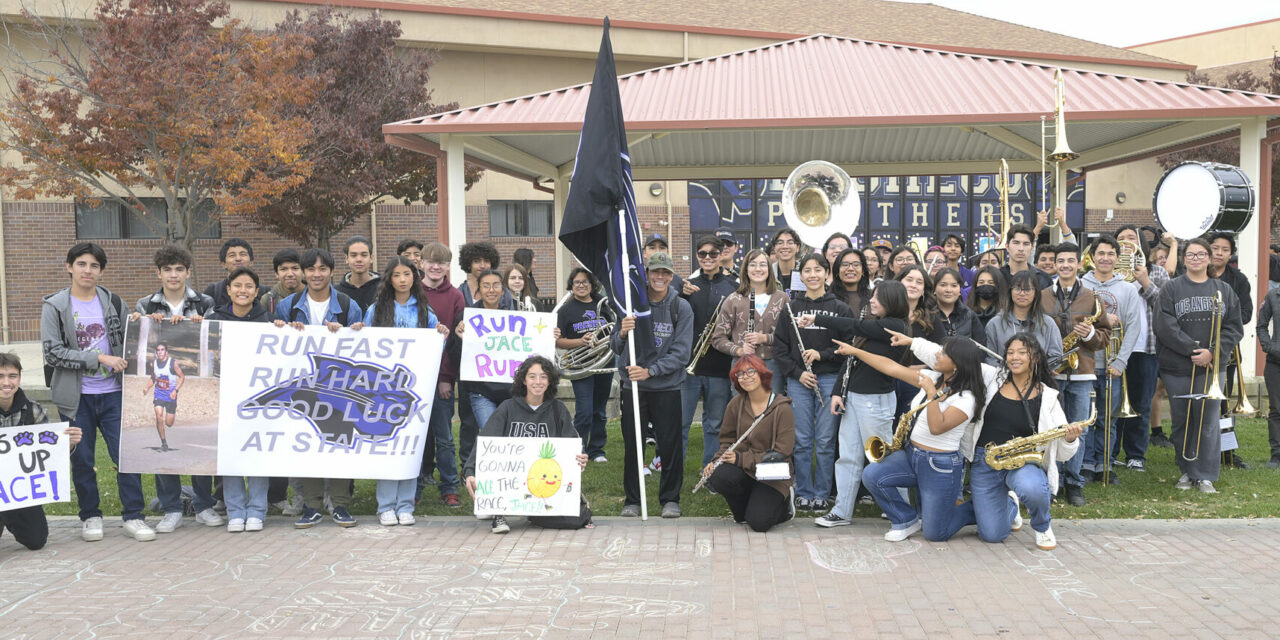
809,354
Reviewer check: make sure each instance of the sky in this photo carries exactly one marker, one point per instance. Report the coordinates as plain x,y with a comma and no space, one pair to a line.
1121,23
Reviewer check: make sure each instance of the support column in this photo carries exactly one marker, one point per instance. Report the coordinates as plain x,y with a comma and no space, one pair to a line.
442,198
564,260
1252,131
456,179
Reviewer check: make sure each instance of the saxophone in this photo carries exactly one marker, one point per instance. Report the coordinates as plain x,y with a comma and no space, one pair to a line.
1018,452
1071,343
875,448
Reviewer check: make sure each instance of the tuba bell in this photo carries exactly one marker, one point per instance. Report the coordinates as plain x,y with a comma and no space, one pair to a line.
819,199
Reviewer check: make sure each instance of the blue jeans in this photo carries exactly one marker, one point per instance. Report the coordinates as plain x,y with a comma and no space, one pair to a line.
169,492
440,430
1094,455
242,504
396,495
937,476
779,378
714,393
482,407
1074,395
590,404
992,509
100,412
815,429
865,415
1143,372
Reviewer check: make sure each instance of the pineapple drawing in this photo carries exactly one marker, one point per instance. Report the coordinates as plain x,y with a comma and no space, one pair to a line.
545,474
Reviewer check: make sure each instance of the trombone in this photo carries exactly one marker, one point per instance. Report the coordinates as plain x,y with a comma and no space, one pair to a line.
1061,150
1213,390
1242,406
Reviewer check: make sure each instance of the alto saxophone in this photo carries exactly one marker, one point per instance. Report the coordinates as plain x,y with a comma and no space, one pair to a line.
875,448
1071,343
1019,452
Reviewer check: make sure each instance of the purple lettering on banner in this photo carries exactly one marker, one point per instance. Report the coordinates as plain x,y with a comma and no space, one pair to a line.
483,363
518,320
477,324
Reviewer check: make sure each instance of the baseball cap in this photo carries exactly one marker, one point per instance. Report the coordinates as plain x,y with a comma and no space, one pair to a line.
882,244
660,260
725,234
657,237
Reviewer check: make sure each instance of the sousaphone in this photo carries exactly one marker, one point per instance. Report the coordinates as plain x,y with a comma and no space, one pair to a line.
819,199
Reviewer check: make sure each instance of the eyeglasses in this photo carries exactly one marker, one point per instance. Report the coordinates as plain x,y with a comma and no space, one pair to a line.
581,283
747,373
1023,291
708,254
851,265
491,286
1199,255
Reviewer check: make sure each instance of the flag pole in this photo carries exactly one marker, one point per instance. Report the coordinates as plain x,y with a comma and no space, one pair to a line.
631,357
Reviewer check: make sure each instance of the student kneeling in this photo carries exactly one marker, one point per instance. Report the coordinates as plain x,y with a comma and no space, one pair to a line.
532,412
759,503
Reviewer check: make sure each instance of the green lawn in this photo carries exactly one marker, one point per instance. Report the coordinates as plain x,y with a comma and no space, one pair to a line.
1241,494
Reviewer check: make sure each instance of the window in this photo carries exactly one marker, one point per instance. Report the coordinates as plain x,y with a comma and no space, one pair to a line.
105,220
531,218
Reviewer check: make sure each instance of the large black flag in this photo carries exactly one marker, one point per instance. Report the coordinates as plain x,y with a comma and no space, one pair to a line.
600,213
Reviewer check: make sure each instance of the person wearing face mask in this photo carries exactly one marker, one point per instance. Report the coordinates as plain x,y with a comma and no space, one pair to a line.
811,368
988,295
1069,303
952,317
747,320
1024,314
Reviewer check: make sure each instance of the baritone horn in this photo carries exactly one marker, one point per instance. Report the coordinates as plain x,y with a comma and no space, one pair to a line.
819,199
594,356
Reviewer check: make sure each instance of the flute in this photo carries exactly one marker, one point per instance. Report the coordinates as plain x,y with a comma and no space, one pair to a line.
800,343
720,458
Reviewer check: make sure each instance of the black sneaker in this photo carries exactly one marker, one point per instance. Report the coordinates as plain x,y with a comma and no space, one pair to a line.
1161,440
802,504
343,518
1075,495
1088,475
499,525
310,518
1273,463
1238,462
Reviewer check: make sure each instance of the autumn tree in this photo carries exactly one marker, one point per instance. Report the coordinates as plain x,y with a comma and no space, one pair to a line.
366,82
167,98
1228,151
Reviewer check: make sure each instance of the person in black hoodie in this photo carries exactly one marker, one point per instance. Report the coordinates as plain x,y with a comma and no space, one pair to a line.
710,380
871,394
482,397
246,507
1223,247
808,359
951,316
532,411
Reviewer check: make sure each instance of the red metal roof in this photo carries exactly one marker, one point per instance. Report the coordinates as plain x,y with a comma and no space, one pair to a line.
829,81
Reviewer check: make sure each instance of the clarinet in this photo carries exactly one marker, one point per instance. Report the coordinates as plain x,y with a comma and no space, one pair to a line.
800,343
850,363
751,314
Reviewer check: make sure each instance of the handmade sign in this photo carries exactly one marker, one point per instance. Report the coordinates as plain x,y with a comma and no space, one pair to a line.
527,476
253,399
496,342
35,465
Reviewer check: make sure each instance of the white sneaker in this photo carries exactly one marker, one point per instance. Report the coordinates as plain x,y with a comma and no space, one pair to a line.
600,458
388,519
235,525
406,519
169,522
1184,483
139,530
898,535
1045,540
1017,513
1207,487
92,530
253,524
209,518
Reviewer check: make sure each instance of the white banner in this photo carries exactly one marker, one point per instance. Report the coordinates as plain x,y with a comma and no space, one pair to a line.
35,465
496,342
316,404
527,476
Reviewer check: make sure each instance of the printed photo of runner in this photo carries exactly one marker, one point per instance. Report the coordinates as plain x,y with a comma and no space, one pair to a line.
170,413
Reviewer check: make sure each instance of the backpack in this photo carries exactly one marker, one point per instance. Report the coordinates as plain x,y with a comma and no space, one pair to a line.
114,301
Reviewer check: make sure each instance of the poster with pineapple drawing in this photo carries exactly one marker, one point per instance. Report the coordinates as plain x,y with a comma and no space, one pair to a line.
527,476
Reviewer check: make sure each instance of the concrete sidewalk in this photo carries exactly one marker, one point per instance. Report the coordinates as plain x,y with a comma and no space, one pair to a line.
695,578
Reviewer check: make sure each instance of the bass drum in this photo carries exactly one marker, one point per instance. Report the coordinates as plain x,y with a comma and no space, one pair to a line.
1195,198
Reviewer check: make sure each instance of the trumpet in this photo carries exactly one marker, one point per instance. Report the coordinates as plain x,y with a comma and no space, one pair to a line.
875,447
704,340
1019,452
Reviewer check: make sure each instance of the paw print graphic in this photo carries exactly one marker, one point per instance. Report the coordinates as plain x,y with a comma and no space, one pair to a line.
48,437
24,439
